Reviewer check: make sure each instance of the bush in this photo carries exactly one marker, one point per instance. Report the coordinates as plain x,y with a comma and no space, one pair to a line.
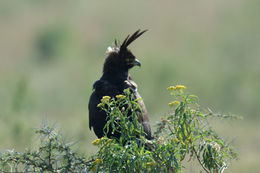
184,132
52,155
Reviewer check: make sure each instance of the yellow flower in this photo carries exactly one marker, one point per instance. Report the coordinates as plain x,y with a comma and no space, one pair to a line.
150,163
170,88
97,161
180,87
105,99
174,103
120,96
176,140
99,105
96,142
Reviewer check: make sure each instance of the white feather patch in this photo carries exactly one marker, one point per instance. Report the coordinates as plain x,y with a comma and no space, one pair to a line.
112,49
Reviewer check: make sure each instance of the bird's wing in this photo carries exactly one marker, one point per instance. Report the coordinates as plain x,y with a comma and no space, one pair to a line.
142,114
105,88
97,118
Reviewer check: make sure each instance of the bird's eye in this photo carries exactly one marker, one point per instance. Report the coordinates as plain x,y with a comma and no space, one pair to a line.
127,59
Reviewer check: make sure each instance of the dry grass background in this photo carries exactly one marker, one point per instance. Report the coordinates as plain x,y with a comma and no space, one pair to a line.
52,51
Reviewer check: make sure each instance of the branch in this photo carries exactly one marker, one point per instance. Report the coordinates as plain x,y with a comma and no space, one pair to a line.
200,160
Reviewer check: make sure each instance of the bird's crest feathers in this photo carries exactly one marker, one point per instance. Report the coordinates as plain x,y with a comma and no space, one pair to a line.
128,40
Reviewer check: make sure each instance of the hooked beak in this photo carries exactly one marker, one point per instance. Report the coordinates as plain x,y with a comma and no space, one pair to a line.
137,63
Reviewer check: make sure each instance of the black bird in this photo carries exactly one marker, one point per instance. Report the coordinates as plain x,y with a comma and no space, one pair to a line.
114,80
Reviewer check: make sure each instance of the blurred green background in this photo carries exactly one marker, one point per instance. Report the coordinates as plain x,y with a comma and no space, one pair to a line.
51,53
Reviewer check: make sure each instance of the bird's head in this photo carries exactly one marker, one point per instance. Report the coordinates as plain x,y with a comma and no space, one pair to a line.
120,58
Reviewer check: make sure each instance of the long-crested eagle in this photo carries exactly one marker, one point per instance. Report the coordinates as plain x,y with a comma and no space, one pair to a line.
114,80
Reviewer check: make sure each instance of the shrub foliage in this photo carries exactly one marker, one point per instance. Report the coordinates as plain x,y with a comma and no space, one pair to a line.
183,134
